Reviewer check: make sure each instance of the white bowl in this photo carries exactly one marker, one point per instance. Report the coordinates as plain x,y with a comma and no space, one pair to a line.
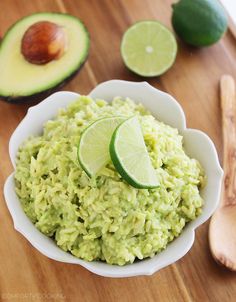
165,108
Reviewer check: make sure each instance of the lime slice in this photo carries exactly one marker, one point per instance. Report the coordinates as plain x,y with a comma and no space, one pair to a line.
93,149
148,48
130,156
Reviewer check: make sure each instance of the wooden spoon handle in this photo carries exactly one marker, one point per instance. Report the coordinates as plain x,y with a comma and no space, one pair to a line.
228,102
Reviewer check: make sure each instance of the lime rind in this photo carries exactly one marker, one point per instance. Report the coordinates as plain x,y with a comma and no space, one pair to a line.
200,22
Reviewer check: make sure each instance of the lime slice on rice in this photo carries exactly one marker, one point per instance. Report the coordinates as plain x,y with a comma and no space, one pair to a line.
130,156
148,48
93,149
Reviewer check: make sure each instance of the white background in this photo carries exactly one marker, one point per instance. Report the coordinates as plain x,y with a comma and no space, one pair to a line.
230,6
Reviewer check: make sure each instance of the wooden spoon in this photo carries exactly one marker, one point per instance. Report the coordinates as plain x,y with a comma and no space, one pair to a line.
222,230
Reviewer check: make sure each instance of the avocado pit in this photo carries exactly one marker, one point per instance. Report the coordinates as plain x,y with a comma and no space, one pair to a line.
43,42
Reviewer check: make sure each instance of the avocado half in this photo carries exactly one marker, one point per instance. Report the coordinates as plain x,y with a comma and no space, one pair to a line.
21,81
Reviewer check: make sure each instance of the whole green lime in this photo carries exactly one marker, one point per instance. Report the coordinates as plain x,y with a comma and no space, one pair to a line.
199,22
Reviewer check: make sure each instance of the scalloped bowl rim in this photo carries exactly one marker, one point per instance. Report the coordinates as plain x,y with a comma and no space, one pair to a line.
194,140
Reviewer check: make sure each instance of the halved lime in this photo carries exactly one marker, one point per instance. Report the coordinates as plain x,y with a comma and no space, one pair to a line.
93,149
130,156
148,48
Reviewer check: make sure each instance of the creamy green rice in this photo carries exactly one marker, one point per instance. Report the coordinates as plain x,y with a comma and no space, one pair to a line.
104,218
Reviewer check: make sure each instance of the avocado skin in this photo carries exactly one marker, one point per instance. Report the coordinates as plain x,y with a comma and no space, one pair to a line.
39,96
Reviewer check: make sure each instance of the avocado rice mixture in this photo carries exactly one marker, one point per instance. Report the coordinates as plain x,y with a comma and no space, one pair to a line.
104,218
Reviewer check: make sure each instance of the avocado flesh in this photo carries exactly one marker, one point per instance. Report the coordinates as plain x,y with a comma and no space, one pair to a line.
19,78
